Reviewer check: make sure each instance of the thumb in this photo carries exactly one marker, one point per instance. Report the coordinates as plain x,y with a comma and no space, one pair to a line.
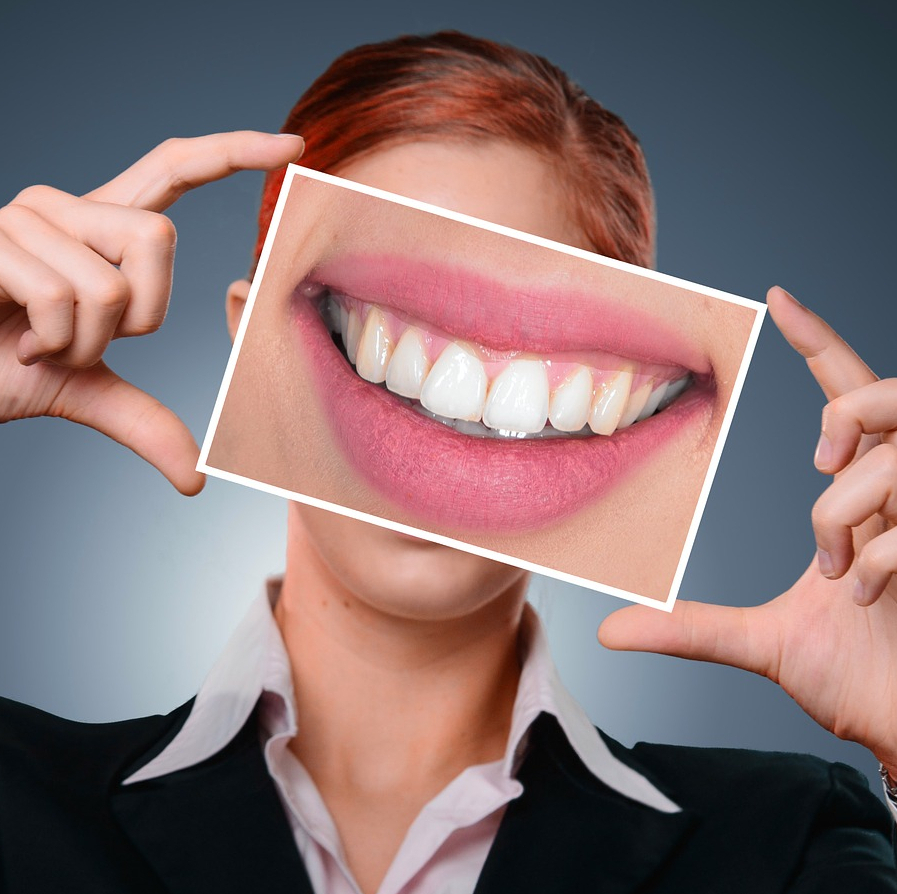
102,400
696,630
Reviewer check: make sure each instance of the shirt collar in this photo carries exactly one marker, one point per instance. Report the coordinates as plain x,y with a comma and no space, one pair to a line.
255,662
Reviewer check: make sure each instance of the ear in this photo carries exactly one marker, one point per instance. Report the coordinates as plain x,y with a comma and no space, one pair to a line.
237,293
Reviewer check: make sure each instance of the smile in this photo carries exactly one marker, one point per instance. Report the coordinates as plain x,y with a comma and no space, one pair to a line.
453,422
485,393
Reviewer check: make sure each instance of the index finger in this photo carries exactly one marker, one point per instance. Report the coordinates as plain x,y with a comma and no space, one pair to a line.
164,174
834,364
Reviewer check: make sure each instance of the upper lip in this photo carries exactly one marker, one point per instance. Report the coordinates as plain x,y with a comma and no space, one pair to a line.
536,317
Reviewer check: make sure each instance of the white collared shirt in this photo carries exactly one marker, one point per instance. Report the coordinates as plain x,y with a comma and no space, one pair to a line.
447,844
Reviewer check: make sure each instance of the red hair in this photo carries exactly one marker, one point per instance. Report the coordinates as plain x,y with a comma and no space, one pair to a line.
451,86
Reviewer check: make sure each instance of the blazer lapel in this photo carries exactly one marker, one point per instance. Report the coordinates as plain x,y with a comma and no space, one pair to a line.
570,833
218,826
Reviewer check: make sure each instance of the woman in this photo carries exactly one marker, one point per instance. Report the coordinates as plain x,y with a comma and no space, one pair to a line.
395,723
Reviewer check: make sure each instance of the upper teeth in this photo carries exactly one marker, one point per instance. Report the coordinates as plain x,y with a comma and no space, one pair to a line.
518,401
409,365
456,385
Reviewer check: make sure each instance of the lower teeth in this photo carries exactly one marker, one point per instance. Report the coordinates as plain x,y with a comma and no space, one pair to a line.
478,430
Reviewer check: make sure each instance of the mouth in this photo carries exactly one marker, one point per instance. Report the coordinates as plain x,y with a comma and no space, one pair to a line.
472,406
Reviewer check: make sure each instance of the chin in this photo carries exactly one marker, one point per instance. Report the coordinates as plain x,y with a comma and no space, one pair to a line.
430,582
405,577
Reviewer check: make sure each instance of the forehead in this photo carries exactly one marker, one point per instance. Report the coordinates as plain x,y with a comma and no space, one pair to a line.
497,181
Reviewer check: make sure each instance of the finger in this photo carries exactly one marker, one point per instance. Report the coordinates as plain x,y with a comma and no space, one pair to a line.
696,630
101,292
875,566
98,398
141,243
871,409
47,298
831,360
867,488
164,174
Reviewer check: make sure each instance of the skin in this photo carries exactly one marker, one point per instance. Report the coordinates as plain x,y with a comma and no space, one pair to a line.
409,642
448,617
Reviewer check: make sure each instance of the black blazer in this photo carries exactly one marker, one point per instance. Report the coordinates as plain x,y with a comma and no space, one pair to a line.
752,823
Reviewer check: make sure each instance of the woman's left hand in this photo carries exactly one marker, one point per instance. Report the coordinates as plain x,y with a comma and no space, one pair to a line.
830,641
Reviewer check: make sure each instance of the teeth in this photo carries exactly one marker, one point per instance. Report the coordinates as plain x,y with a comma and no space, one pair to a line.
651,403
456,385
353,333
569,406
610,402
518,398
409,365
374,347
637,400
520,401
674,389
331,313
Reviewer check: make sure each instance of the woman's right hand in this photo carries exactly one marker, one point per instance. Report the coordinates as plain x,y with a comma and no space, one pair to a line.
78,272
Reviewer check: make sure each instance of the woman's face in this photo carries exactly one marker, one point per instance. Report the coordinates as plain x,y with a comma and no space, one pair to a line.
616,504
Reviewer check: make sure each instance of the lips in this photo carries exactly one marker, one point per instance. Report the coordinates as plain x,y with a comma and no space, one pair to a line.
476,308
454,482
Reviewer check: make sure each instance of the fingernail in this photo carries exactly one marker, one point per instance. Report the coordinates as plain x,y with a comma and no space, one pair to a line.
30,359
824,560
860,597
299,141
783,289
824,453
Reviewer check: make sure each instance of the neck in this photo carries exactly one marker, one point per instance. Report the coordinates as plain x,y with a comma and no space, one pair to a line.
386,702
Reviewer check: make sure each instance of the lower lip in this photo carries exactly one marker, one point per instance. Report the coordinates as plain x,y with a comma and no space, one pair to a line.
451,481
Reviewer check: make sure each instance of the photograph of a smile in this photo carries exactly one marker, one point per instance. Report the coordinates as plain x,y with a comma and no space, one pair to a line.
516,397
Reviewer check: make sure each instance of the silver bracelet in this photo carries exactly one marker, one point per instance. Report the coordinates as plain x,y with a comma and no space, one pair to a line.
889,784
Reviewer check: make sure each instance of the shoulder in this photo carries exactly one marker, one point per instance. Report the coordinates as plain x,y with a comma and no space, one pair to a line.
812,820
777,781
817,817
39,749
57,823
704,777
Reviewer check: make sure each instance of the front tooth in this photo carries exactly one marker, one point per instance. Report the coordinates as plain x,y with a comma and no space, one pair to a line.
569,406
652,402
353,333
374,347
610,401
343,323
456,385
635,404
409,365
518,398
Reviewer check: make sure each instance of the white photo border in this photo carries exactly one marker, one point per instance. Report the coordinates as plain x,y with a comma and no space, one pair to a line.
297,170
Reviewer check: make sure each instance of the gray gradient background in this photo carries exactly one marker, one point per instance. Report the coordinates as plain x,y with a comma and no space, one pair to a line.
770,134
